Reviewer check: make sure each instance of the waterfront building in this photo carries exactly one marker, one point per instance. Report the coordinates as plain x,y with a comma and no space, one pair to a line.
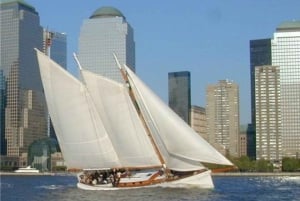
179,84
268,115
104,33
282,51
222,113
40,152
198,120
25,110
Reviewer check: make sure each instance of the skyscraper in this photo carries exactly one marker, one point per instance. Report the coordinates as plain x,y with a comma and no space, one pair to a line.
260,54
25,114
283,51
104,33
180,94
286,55
222,113
268,115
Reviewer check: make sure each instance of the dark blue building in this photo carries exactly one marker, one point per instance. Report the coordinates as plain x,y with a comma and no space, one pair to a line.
180,94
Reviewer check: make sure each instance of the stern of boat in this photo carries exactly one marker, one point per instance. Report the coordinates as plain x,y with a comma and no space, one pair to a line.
201,180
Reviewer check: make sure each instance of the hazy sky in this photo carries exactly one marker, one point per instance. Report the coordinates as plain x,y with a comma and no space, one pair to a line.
209,38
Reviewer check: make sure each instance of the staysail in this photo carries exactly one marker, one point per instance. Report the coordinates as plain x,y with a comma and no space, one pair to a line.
184,146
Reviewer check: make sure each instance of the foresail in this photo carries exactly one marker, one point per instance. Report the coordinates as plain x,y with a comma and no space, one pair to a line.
181,141
81,135
121,121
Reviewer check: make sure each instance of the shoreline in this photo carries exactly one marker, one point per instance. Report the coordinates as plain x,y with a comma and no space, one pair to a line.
226,174
256,174
35,174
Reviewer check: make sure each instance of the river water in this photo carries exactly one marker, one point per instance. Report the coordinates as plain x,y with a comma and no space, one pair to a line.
63,188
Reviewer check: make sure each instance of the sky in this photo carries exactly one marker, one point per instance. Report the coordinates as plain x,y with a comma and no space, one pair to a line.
208,38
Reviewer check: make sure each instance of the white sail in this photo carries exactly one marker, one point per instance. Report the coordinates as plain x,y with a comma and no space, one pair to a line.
184,146
81,135
121,121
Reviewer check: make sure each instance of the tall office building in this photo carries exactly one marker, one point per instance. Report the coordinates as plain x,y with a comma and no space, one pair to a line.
283,51
25,113
286,55
180,94
222,113
260,54
268,116
104,33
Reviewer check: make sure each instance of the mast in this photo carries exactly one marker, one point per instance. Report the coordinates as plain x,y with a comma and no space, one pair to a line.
133,98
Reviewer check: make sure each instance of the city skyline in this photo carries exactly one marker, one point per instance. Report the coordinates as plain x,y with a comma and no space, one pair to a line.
209,39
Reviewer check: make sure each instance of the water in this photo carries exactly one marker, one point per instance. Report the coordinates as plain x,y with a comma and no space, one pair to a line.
50,188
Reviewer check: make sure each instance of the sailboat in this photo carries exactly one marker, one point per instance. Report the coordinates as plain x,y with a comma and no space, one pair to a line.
122,135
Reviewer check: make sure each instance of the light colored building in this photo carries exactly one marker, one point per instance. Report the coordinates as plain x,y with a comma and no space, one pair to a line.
198,120
106,32
268,115
222,113
25,109
286,55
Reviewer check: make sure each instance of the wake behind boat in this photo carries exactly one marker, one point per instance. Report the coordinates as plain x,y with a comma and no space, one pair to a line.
121,134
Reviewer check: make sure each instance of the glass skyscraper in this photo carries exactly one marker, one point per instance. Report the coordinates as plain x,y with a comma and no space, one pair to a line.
25,118
180,94
104,33
260,54
283,50
286,55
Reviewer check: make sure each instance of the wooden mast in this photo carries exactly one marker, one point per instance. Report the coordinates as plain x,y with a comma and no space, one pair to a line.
133,98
